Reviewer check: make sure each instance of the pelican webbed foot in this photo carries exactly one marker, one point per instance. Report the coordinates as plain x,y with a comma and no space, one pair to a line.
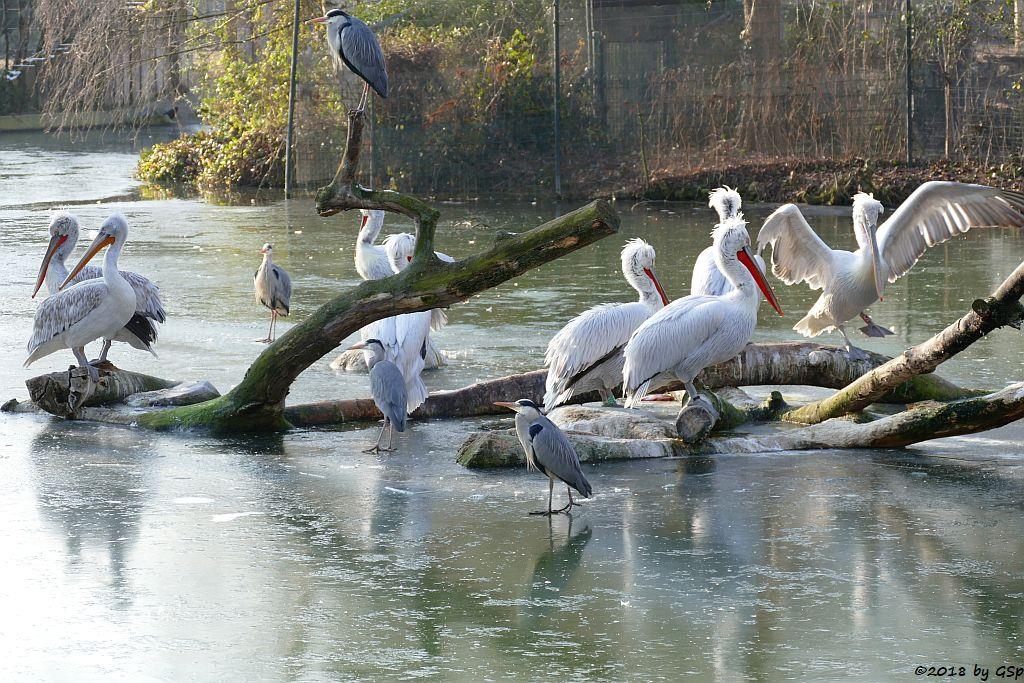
873,330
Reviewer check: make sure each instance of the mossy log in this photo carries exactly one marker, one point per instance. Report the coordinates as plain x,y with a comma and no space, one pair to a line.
64,393
1001,309
789,363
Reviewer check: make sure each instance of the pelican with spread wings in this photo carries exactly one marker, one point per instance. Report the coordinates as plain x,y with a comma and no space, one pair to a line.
852,281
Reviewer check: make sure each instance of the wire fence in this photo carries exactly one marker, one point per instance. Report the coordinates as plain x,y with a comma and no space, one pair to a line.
652,88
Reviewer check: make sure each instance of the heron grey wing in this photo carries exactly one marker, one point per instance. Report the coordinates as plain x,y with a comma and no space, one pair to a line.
938,211
361,52
387,386
147,296
58,312
284,288
552,449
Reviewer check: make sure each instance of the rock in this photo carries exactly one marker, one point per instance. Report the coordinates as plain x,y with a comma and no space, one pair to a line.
502,449
617,423
184,394
352,361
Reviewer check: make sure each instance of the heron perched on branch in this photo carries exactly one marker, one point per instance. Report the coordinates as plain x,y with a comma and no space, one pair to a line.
548,450
273,289
141,330
355,45
852,281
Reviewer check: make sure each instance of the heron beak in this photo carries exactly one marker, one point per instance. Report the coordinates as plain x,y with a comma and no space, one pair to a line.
876,266
657,285
747,259
102,240
356,347
505,404
51,249
318,20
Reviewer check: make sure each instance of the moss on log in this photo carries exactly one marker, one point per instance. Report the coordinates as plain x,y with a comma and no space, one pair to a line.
1001,309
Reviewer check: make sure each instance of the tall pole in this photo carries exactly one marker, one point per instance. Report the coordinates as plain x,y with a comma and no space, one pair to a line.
557,107
289,170
910,85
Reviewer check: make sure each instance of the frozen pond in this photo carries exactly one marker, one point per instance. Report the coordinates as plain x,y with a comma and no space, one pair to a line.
131,555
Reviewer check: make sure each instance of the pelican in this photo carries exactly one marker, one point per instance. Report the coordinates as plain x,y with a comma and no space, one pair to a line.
850,282
698,331
90,310
399,249
141,330
706,278
354,45
548,450
586,354
273,289
371,260
387,386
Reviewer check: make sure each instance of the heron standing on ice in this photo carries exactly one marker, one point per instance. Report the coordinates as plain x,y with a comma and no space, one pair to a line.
548,450
387,386
273,288
354,44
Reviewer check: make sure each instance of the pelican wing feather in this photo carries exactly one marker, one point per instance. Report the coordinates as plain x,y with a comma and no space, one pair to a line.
58,312
798,254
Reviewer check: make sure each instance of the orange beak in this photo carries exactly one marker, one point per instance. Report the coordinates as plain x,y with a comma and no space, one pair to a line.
657,285
505,404
99,243
318,20
54,245
747,259
360,345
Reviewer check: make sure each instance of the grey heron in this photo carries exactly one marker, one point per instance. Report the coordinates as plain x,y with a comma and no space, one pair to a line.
706,278
387,386
698,331
548,450
90,310
355,45
273,288
586,354
852,281
141,330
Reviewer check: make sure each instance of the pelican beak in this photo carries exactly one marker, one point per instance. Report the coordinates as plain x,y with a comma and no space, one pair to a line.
505,404
876,266
649,272
318,20
102,240
362,223
54,245
747,259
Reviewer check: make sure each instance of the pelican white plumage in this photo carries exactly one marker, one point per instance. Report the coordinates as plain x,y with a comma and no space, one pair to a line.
141,331
706,277
371,260
399,249
698,331
90,310
586,354
852,281
272,286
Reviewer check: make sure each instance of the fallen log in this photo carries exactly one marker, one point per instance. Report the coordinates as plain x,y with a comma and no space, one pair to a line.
1001,309
63,393
788,363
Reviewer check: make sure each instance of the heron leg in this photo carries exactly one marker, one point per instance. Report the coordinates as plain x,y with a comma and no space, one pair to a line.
391,435
551,492
851,350
376,447
364,97
871,329
572,503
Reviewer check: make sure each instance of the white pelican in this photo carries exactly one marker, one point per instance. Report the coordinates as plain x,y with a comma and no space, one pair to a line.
850,282
706,278
586,354
90,310
399,249
371,260
141,330
698,331
273,288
